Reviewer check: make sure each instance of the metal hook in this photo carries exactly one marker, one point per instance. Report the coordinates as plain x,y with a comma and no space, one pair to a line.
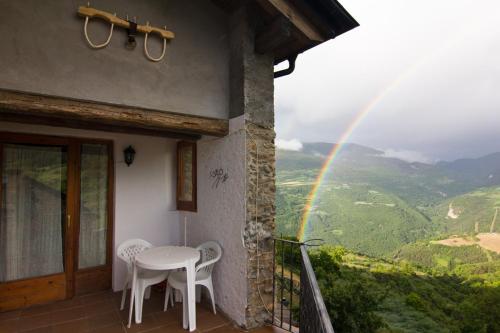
97,46
130,44
146,48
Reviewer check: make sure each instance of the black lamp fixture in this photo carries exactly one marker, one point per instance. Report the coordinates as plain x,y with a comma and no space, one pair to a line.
128,155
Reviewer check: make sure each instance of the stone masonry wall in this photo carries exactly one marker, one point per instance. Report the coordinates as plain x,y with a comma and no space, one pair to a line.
252,96
260,214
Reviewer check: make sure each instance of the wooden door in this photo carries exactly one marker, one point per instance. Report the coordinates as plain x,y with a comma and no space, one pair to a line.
43,202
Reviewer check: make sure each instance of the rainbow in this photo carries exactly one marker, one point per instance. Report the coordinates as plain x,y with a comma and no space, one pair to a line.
313,194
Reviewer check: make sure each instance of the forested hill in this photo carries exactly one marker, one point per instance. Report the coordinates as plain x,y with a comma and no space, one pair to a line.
420,242
368,194
419,183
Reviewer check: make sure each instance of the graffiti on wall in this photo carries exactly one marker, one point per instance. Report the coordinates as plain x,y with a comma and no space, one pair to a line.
219,176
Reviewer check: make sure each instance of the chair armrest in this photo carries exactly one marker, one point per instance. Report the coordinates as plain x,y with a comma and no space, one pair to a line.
206,263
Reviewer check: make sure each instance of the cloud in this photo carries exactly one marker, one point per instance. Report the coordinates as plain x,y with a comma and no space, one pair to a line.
293,144
432,87
408,156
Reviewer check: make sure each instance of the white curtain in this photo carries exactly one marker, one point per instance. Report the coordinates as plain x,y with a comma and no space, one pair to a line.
93,205
32,211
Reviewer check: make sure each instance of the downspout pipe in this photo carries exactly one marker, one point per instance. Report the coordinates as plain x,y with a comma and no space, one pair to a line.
289,70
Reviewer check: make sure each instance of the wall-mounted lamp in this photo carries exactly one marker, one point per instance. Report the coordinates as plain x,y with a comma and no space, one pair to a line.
128,155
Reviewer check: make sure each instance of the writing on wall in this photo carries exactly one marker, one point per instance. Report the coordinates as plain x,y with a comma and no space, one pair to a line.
219,176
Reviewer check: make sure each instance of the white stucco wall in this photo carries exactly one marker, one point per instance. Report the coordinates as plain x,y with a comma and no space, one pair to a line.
144,192
145,202
49,54
221,216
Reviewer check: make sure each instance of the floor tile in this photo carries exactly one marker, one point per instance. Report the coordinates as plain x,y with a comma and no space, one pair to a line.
103,320
148,323
169,317
67,315
67,304
47,329
36,310
99,313
206,320
9,326
9,315
268,329
226,329
96,298
169,329
115,328
32,322
99,308
76,326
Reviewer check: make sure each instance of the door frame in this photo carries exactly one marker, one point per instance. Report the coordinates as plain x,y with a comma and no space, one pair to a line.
38,290
96,278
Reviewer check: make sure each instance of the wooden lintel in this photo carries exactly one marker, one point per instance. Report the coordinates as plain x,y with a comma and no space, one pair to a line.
300,21
103,116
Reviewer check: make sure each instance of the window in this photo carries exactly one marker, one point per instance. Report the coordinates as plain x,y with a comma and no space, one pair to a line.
186,176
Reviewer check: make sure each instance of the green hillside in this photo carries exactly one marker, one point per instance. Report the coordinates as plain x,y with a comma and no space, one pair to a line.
417,183
343,212
474,212
422,241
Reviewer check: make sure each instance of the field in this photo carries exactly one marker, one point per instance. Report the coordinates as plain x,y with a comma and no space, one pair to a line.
488,241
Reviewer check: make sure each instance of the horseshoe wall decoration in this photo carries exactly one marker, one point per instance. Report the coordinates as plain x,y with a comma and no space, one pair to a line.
96,46
146,47
89,12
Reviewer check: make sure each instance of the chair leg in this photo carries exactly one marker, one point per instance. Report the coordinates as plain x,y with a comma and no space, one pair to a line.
124,294
210,288
139,302
172,296
167,298
148,292
184,309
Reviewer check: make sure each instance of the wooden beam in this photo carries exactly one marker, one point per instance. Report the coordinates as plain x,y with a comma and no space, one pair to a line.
91,126
113,19
273,35
300,21
111,116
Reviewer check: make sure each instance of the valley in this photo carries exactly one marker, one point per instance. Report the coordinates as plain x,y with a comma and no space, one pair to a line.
430,221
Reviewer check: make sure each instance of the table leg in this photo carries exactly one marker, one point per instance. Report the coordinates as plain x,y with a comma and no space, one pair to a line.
132,294
191,294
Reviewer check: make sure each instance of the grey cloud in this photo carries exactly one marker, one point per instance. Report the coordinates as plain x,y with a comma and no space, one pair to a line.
439,57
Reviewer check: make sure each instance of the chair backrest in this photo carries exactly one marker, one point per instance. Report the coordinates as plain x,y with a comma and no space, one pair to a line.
211,252
130,248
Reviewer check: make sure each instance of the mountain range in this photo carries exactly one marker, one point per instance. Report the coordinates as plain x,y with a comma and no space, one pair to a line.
376,204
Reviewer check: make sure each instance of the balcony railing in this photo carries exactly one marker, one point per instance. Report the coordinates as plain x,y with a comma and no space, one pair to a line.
298,304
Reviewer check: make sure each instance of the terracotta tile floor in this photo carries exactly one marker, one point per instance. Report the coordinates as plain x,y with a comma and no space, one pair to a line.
100,313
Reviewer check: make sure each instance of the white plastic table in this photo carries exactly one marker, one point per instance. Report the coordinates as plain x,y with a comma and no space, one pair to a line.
166,258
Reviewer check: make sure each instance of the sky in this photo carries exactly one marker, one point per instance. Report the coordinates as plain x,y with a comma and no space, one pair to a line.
426,72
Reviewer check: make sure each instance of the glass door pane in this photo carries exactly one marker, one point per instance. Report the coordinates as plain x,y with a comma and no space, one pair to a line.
33,210
93,205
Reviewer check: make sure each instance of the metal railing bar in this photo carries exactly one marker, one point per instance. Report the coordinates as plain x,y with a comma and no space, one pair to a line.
324,318
282,280
291,287
274,277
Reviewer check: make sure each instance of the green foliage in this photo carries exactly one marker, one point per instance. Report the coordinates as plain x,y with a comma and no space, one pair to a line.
350,303
389,214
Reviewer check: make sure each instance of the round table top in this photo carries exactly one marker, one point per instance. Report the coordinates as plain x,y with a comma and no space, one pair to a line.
167,257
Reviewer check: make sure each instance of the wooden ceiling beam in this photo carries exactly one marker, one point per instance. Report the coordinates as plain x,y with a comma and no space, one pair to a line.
273,35
301,22
124,118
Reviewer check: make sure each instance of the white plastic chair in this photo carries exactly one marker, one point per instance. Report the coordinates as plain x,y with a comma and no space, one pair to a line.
145,278
211,252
